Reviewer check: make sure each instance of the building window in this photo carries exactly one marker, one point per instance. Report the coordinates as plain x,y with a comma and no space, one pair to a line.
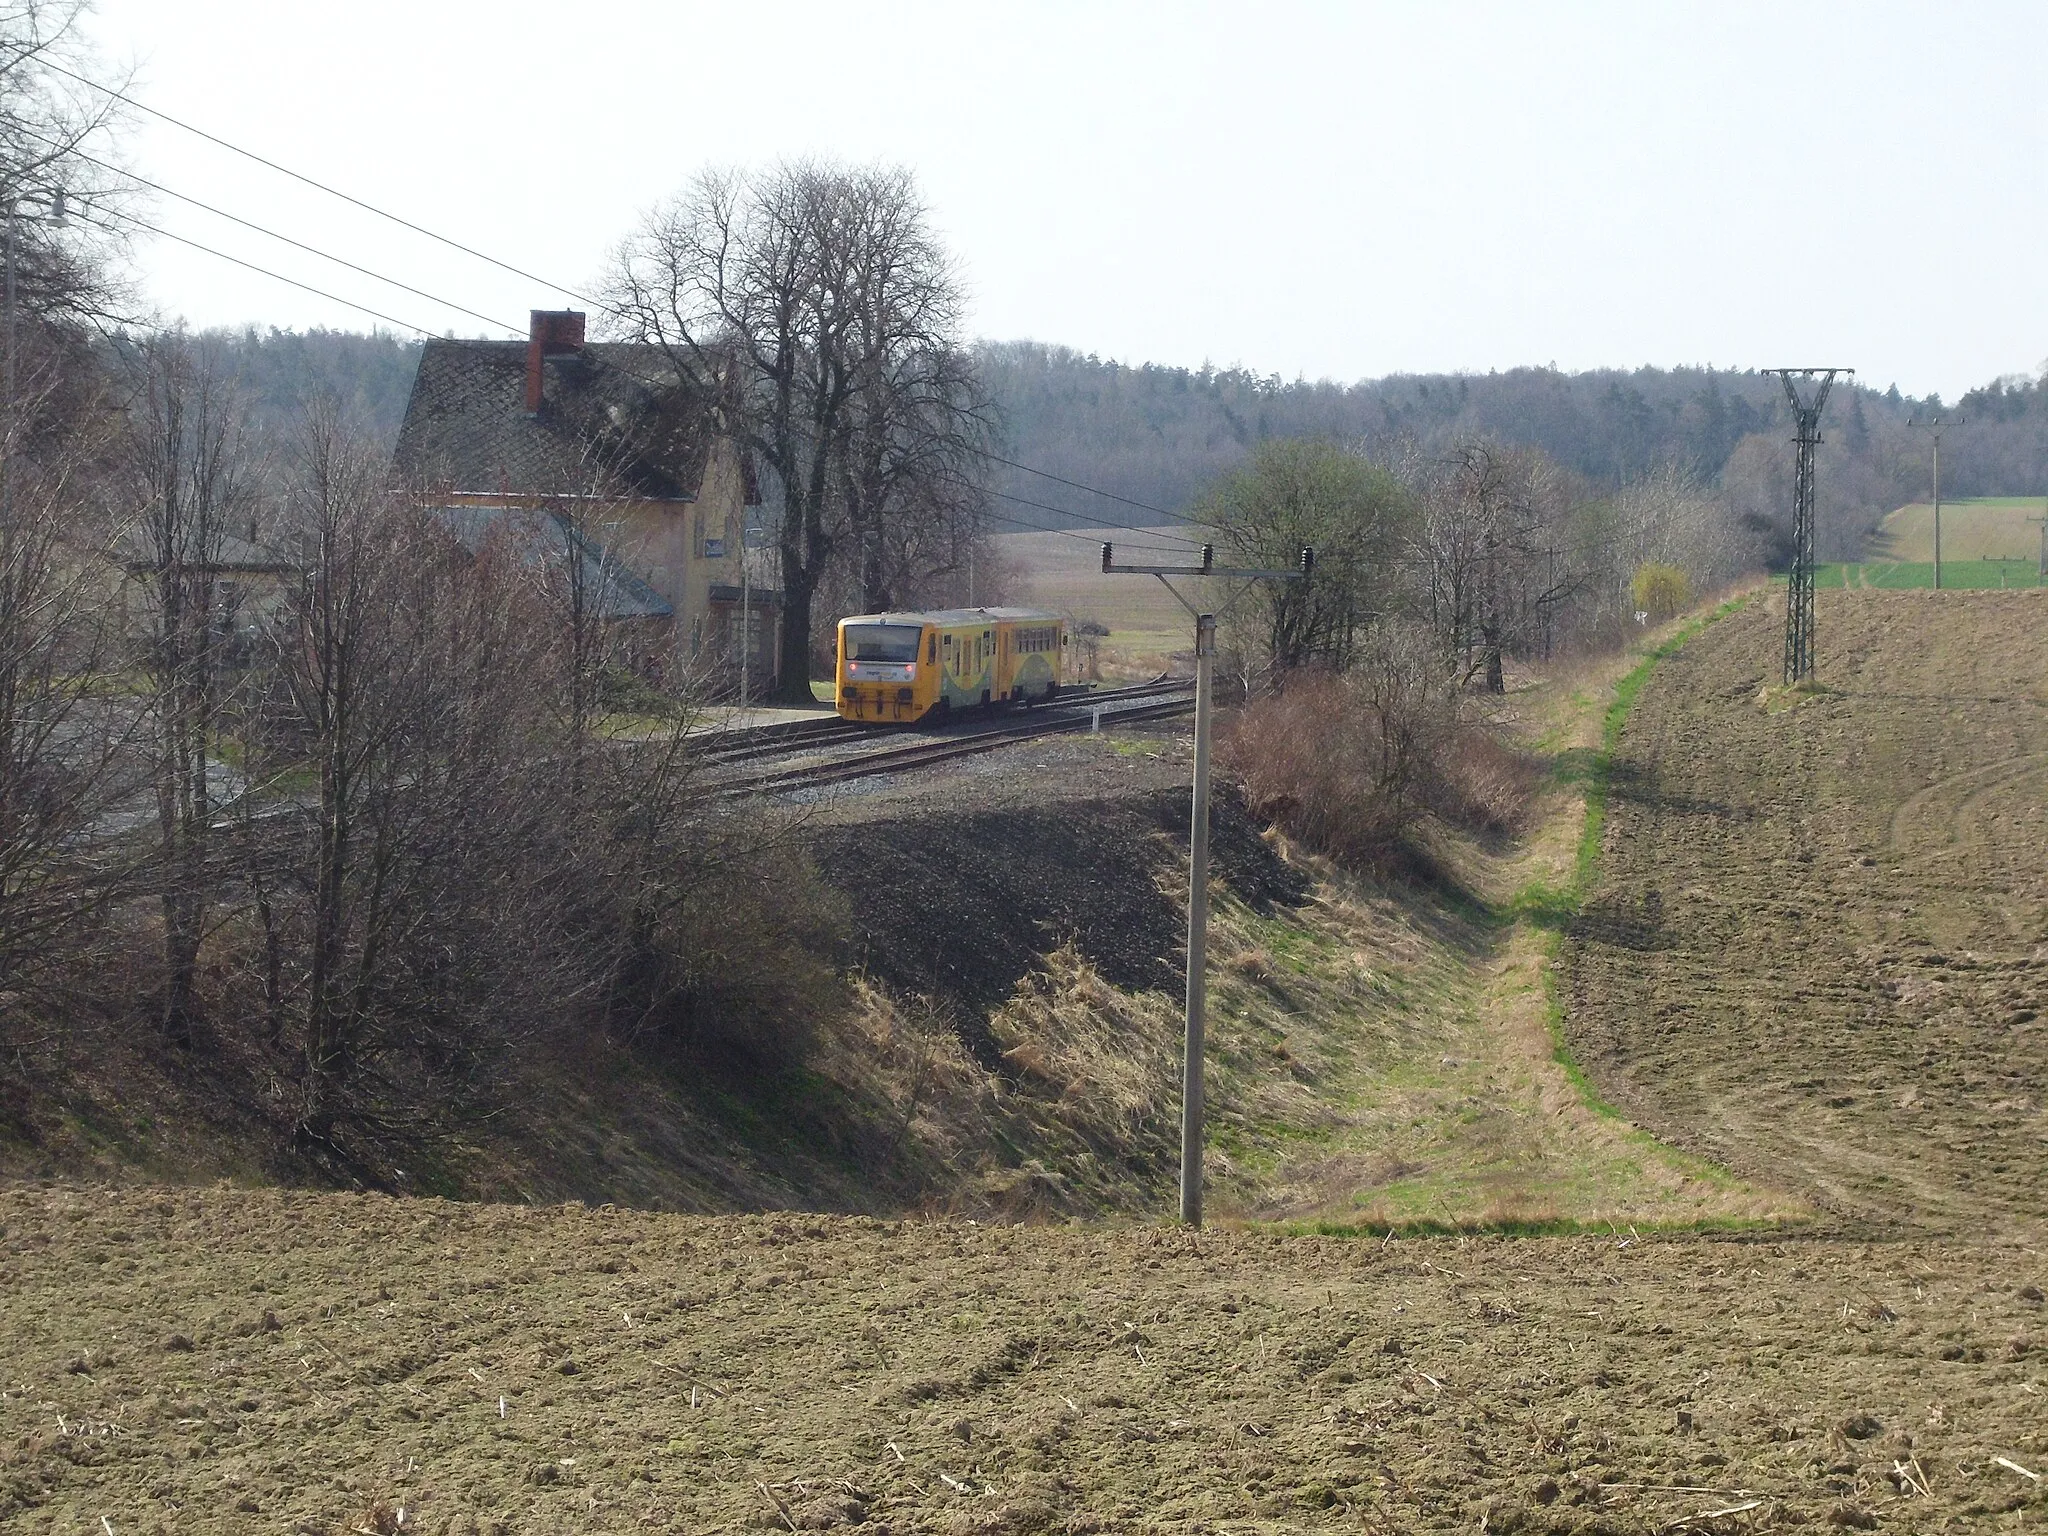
714,549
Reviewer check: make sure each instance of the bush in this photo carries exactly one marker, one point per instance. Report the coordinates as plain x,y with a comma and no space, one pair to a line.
1482,782
1661,591
1348,764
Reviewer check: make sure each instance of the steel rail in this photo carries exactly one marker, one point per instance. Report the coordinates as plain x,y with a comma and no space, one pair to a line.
785,738
924,753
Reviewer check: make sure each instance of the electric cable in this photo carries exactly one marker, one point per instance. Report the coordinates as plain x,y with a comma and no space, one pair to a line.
1180,517
478,255
335,298
1123,528
314,250
320,186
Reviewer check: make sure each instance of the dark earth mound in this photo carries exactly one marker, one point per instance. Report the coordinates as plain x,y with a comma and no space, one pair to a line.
963,906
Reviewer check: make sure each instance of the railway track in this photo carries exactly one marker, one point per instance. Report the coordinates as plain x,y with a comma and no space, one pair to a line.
1158,699
788,738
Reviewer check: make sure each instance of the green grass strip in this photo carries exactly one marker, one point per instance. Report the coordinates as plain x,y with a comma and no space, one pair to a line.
2015,574
1547,1226
1555,909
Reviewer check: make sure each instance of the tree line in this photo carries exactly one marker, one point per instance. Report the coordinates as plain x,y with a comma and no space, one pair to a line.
1158,435
1436,572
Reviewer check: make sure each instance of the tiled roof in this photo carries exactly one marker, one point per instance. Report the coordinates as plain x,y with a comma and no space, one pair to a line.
613,417
539,539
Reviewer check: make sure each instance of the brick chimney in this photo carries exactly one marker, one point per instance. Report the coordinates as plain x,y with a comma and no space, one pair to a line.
551,333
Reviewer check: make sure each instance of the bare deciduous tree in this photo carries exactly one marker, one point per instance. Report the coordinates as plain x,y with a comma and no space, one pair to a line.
63,733
812,302
193,478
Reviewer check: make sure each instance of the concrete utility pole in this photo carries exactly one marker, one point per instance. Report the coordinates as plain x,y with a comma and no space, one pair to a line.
2041,571
1191,1106
746,611
1936,426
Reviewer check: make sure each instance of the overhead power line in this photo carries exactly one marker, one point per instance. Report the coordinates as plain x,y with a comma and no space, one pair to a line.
467,250
1066,533
1121,528
313,250
1090,539
321,186
378,314
1093,490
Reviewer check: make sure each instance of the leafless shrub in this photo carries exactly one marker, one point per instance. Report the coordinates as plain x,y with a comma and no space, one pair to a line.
1306,760
442,856
1483,782
67,775
1348,763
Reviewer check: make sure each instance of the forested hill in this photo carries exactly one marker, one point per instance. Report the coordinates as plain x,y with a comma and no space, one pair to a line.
1156,435
278,371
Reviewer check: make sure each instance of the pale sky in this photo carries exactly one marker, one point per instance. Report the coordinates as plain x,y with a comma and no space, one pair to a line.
1329,190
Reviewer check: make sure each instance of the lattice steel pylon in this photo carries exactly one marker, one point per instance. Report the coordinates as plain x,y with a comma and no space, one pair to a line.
1799,586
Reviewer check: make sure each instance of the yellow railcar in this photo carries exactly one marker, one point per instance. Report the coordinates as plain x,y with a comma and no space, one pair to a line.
900,667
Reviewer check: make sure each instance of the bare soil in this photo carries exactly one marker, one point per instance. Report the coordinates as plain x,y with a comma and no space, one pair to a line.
262,1361
959,884
1818,951
1815,953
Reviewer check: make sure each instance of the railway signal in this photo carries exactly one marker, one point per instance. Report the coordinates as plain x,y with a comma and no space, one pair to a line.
1198,840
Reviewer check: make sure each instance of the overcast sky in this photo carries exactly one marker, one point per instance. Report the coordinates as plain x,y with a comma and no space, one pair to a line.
1336,190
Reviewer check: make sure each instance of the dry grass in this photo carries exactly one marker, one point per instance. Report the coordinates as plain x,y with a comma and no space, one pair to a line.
1484,783
1976,528
1075,1116
1355,783
1097,1059
1379,1055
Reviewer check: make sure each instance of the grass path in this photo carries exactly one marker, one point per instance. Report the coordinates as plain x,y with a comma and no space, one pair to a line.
1453,1103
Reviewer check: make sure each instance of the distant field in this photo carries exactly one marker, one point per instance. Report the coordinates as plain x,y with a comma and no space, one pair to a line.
1977,528
1956,575
1063,572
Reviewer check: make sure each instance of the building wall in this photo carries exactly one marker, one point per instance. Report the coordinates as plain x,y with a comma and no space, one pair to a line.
682,549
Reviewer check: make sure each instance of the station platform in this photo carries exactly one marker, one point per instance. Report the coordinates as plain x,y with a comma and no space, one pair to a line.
733,717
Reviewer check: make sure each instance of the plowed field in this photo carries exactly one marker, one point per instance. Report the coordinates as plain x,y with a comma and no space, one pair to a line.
234,1361
1818,951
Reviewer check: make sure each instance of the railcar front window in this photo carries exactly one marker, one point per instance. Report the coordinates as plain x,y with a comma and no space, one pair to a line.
881,642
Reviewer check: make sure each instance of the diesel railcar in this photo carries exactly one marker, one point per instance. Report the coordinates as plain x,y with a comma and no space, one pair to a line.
896,668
